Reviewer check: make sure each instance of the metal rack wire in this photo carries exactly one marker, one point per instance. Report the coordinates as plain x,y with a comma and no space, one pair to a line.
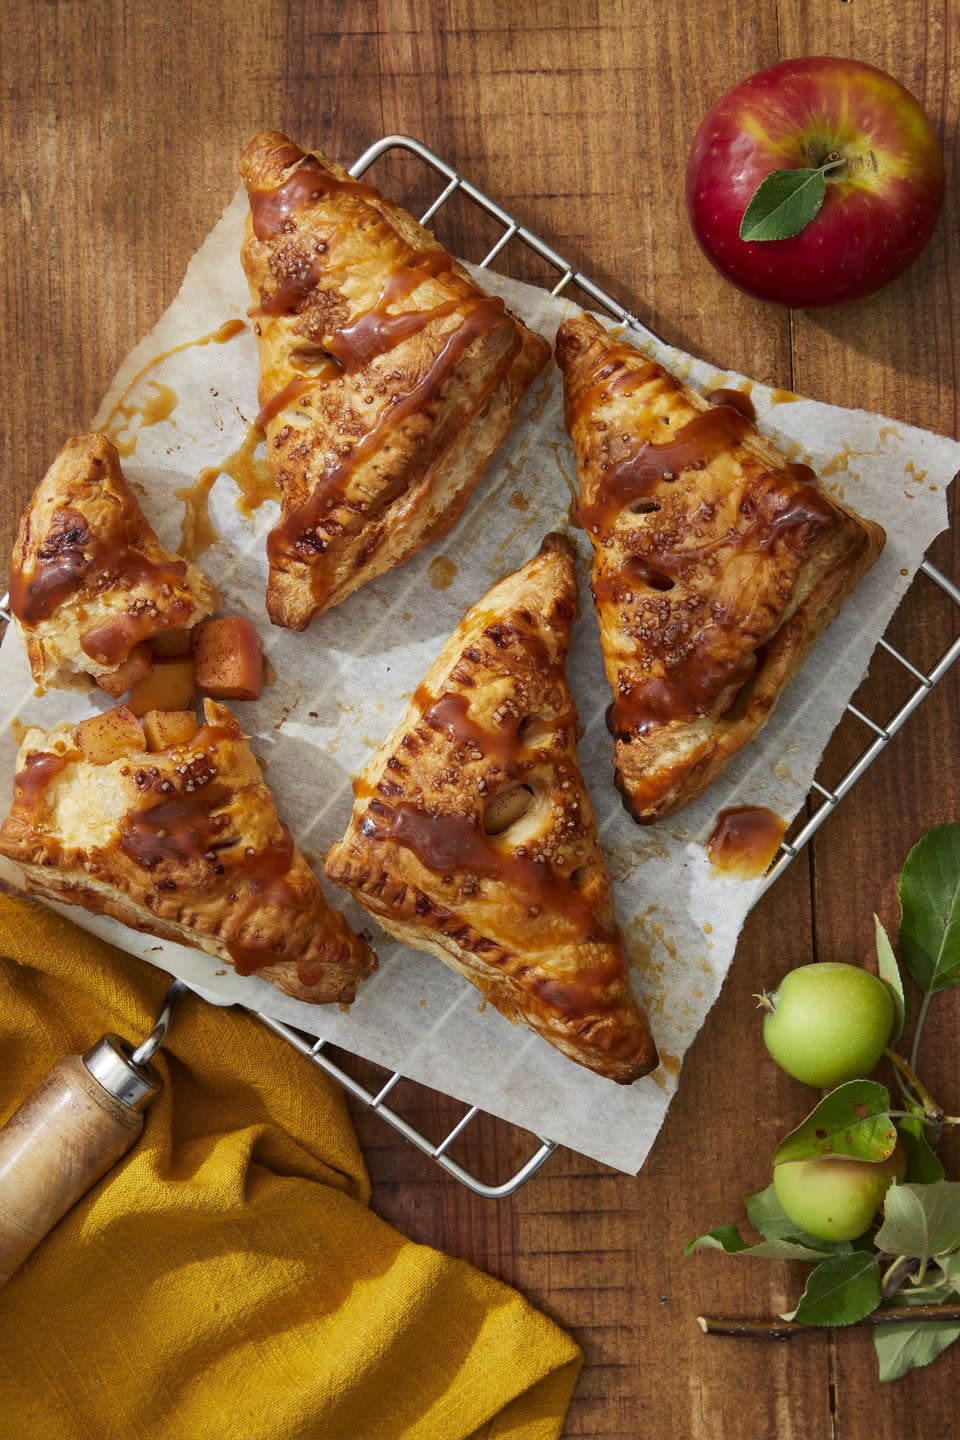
317,1051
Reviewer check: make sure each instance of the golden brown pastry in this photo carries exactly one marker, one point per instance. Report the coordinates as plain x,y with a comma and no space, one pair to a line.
473,837
717,563
183,842
90,581
388,378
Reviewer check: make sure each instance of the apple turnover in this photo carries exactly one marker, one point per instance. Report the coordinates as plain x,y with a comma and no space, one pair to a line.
473,837
388,377
91,587
717,563
172,830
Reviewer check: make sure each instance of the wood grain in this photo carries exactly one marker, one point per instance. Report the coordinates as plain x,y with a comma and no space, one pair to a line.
56,1145
120,127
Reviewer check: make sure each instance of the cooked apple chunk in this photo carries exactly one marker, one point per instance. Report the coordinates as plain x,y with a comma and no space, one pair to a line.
102,739
166,728
170,685
228,658
170,643
118,682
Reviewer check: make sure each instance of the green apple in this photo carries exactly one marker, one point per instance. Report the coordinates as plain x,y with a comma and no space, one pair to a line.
836,1199
828,1023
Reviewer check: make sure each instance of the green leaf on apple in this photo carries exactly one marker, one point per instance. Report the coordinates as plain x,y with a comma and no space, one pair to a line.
903,1347
890,975
930,909
840,1291
950,1265
921,1220
783,204
728,1239
766,1214
923,1167
851,1121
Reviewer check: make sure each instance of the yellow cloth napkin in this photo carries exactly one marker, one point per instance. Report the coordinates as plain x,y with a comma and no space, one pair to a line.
228,1277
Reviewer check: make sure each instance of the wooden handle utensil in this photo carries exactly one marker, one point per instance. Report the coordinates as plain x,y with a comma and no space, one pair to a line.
78,1121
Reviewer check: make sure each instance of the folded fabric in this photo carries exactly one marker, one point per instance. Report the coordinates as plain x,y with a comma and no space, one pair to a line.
228,1277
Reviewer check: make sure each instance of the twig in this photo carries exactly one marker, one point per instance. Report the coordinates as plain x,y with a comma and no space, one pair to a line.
775,1329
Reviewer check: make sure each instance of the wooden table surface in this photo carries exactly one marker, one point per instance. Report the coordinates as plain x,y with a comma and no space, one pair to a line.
121,125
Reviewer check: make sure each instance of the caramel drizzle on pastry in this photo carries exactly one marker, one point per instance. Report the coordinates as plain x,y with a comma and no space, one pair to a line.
70,559
266,876
272,210
184,828
188,828
450,843
296,535
693,686
374,332
691,447
446,843
452,714
30,783
738,400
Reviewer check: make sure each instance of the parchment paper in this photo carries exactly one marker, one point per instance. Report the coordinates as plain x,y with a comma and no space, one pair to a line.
341,686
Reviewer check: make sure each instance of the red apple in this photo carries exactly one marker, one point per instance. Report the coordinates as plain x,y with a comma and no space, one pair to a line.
882,200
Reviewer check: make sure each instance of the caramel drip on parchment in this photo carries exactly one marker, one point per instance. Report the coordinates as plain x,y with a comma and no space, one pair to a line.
250,473
745,840
160,405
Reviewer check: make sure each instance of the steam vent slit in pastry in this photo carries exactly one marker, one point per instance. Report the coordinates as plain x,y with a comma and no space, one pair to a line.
90,584
182,841
717,563
473,837
388,378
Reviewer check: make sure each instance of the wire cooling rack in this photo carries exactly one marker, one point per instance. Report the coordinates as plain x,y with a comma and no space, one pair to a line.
318,1052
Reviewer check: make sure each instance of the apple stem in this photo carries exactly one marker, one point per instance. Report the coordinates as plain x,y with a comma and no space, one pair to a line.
932,1110
831,160
765,1002
894,1274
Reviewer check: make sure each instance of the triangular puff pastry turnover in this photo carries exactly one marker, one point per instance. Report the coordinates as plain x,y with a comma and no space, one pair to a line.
388,378
90,582
183,842
717,563
473,837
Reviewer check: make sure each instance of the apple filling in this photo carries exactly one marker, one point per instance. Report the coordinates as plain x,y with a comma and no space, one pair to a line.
222,658
102,739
